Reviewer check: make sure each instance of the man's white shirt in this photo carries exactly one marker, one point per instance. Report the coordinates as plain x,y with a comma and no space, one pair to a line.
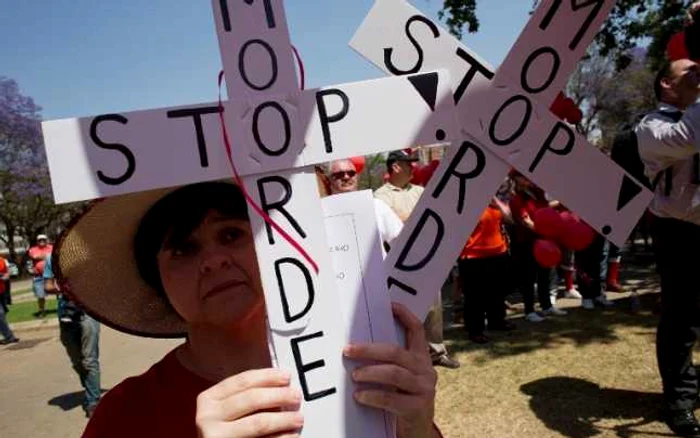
664,143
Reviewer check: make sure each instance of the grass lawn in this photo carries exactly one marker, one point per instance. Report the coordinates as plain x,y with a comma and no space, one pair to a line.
587,374
24,311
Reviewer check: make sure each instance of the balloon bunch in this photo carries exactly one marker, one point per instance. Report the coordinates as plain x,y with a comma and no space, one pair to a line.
558,230
565,108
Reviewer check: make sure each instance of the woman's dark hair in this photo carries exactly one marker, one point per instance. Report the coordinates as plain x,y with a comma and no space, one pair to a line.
173,218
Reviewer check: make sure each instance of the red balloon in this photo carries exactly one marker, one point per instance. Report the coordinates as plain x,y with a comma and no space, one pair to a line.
577,236
676,48
429,170
418,174
568,217
547,253
548,223
359,163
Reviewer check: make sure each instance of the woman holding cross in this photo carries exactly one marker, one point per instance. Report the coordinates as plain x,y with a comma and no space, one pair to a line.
181,263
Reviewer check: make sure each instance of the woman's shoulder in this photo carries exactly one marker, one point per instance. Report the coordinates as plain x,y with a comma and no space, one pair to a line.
133,407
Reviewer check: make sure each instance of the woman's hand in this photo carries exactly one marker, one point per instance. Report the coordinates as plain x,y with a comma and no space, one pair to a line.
406,374
248,405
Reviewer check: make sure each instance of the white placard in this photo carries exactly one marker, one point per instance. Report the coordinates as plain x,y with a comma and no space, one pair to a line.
356,252
119,153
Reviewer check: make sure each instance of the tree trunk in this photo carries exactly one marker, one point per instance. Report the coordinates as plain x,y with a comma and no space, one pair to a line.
11,244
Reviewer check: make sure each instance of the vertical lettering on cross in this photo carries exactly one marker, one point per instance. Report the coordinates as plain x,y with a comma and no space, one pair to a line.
278,205
255,47
596,7
463,177
430,230
551,45
261,82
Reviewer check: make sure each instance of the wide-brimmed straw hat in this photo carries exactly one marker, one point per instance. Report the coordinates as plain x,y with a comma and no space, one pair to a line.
94,263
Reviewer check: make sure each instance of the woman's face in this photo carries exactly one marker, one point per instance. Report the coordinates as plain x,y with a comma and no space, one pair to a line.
212,276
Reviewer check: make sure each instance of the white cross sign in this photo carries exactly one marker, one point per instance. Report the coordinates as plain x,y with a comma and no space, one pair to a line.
444,94
277,132
505,122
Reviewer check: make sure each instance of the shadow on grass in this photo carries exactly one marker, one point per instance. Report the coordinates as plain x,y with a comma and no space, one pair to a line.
573,407
582,327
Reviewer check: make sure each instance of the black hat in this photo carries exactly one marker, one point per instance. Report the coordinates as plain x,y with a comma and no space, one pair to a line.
400,155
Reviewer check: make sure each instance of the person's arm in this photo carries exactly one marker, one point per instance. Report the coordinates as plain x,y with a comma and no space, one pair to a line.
554,204
520,215
50,284
504,209
527,222
660,139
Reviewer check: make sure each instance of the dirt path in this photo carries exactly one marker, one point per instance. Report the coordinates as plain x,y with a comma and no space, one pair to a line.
41,394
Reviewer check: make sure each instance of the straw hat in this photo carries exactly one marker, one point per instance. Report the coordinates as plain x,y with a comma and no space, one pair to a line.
95,264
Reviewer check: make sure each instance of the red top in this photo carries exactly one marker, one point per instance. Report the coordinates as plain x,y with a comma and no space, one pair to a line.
486,239
162,402
159,403
36,251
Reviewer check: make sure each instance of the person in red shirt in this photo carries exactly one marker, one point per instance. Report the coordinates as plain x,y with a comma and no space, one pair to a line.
7,336
484,268
526,200
169,271
38,254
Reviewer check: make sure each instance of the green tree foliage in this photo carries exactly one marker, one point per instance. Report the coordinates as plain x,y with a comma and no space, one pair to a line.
371,176
611,99
26,202
631,22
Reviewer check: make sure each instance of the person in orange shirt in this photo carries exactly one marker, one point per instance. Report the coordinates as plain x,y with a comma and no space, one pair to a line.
483,270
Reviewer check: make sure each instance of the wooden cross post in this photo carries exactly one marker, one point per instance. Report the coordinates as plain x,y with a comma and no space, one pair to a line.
505,122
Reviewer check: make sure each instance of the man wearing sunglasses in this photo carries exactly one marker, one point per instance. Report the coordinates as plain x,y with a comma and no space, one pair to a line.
344,179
